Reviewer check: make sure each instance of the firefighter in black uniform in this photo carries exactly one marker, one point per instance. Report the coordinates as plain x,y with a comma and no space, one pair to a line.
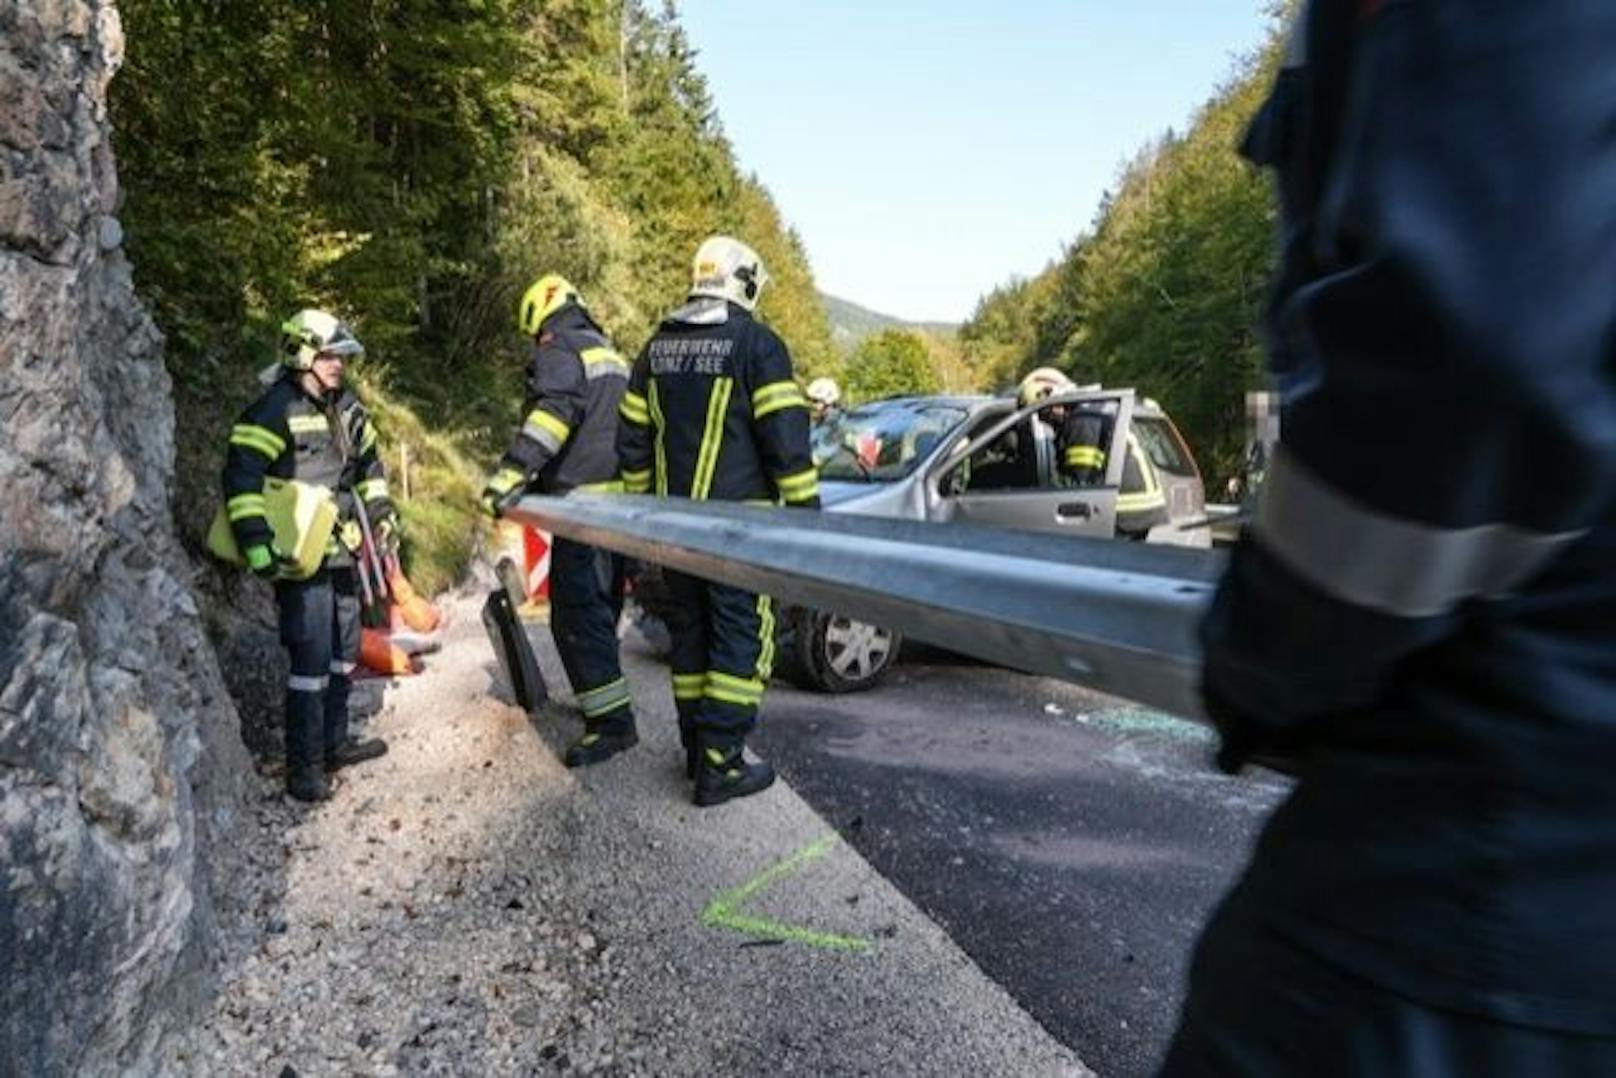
712,412
1079,433
307,427
1421,622
567,442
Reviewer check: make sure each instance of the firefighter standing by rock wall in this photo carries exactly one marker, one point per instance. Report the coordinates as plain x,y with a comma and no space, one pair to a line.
308,429
567,442
712,412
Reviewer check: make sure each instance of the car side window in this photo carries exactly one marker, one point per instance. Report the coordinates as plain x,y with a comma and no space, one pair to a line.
1008,462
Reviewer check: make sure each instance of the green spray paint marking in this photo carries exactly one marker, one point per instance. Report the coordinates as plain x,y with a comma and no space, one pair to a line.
725,910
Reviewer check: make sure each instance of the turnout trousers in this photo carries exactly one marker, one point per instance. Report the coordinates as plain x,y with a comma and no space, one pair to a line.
1261,1006
586,599
723,655
319,624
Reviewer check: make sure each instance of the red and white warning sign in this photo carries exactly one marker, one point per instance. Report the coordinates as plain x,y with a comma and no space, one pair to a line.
536,562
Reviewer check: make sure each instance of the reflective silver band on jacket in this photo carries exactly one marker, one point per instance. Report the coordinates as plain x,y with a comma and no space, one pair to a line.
1371,559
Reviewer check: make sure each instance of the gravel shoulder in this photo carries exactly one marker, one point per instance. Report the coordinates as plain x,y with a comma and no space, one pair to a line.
467,905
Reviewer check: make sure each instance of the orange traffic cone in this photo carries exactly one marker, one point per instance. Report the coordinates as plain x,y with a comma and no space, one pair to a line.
380,654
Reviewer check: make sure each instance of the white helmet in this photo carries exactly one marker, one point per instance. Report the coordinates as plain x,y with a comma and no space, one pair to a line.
726,268
824,391
312,333
1041,383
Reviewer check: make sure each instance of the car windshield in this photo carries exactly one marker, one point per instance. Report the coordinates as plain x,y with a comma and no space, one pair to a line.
882,441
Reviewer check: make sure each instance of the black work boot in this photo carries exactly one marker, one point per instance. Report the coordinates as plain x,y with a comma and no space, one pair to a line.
600,744
725,773
306,783
354,751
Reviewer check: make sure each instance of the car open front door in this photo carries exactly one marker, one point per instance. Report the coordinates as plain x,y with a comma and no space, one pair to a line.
1007,473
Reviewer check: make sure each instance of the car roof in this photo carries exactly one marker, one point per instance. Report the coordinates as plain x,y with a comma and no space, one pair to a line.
1143,406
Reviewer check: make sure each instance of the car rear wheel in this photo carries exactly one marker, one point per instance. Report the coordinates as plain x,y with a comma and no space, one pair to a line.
835,654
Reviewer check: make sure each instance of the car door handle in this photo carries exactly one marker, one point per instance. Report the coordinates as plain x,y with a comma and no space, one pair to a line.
1069,510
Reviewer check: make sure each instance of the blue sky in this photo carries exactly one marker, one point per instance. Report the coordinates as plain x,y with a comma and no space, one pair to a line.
927,150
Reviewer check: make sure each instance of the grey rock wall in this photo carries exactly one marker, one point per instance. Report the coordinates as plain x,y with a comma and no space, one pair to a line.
119,757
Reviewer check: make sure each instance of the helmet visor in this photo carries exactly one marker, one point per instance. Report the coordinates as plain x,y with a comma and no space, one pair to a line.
341,349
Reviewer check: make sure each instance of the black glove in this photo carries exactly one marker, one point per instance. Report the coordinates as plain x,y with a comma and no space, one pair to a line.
1243,741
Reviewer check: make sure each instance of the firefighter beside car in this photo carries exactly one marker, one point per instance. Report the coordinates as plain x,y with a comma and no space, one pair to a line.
575,381
824,401
712,412
308,435
1079,433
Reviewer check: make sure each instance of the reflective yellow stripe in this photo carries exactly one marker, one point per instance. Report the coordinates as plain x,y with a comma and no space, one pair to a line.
775,396
765,663
608,486
727,697
633,409
742,690
308,424
637,482
367,441
264,440
243,506
654,403
689,686
608,697
546,429
371,489
1135,503
712,437
799,486
1085,456
603,363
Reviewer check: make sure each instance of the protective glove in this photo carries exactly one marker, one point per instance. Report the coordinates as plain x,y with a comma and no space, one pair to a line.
499,490
350,535
387,533
1242,741
262,560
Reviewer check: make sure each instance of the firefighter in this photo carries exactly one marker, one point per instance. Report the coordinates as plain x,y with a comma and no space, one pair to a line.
309,428
567,442
1079,433
1421,623
712,412
824,396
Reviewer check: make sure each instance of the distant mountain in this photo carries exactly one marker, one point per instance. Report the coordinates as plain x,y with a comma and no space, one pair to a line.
850,323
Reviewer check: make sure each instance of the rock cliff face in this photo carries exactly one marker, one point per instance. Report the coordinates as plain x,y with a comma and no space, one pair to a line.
119,757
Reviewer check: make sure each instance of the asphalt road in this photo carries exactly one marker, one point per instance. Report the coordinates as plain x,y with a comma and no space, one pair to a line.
1071,843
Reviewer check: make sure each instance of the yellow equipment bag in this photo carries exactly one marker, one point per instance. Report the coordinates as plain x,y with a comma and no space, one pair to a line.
301,516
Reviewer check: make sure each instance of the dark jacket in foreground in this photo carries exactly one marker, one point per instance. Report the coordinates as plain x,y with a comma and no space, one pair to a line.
1424,612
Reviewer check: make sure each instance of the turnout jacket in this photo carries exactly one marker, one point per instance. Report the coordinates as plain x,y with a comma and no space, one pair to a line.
575,380
712,412
287,434
1423,614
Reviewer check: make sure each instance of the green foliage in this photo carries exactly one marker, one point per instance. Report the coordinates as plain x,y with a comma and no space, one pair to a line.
1165,292
413,165
891,363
